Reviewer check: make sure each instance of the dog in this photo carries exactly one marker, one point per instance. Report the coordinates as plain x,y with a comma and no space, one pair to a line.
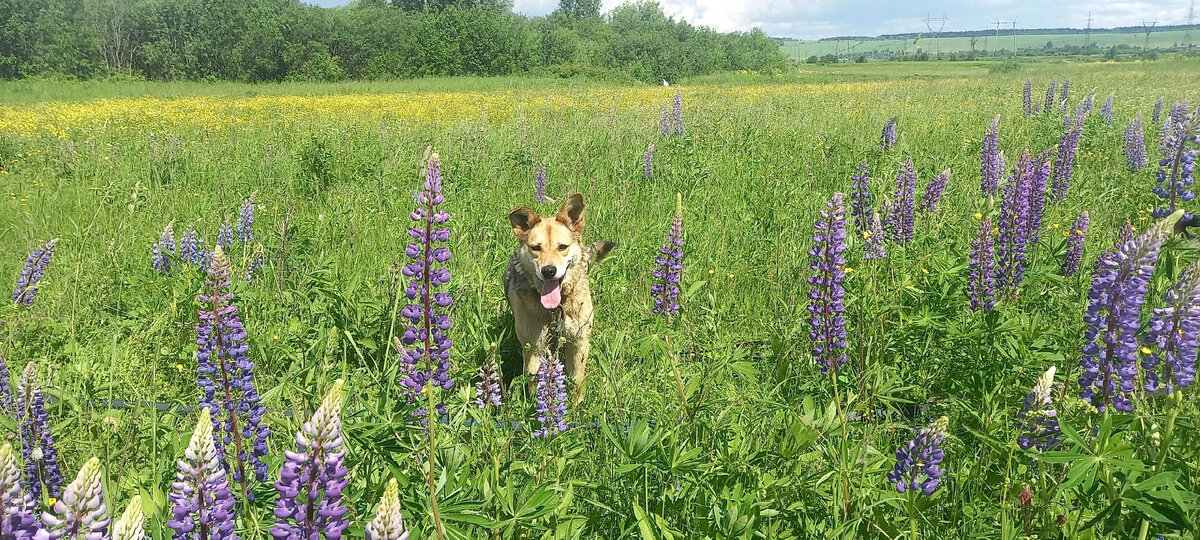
546,283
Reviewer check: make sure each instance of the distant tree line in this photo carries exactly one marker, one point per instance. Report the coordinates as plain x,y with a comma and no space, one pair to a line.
1006,31
273,40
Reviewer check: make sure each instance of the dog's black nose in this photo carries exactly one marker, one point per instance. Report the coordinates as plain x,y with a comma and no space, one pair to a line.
549,271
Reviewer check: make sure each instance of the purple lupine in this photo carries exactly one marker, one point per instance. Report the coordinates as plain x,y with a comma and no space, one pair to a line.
1013,239
389,522
888,138
487,390
991,161
191,247
1039,171
899,223
256,263
664,121
164,249
1135,145
551,397
1075,238
202,506
31,273
1049,105
1174,336
80,514
8,403
1176,168
539,184
874,248
1175,118
1109,359
1107,110
1125,234
826,295
933,192
1079,117
981,270
860,198
1157,110
1064,96
1027,96
19,521
1037,109
37,442
425,340
226,377
225,235
1038,421
312,478
677,112
648,162
1089,102
917,461
668,266
1067,146
245,219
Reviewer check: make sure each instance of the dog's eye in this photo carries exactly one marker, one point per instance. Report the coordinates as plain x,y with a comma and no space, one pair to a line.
562,247
535,248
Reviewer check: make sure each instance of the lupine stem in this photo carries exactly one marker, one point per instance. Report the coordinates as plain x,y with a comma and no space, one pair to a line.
233,418
429,365
678,378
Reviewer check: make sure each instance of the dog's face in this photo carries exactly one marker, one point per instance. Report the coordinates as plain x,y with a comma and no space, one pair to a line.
551,247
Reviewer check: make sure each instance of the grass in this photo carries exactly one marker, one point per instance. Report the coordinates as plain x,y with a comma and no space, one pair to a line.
801,50
761,452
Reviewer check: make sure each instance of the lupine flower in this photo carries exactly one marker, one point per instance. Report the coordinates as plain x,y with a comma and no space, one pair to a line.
1135,145
31,274
1064,96
1027,96
1088,103
487,390
933,192
425,339
648,162
388,523
668,266
255,265
1124,235
222,359
1067,146
1176,168
1050,95
1039,171
991,161
917,462
80,514
1037,108
677,112
1038,421
246,219
132,525
19,521
7,401
1174,336
900,219
664,121
163,249
539,184
1175,117
1014,227
1157,110
37,443
202,506
191,247
874,247
225,235
826,295
1078,118
1075,239
1107,110
888,139
860,198
981,272
1109,362
551,397
312,479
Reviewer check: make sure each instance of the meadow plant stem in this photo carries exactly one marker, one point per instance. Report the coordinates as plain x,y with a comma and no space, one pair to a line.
912,514
678,378
433,502
1164,447
837,400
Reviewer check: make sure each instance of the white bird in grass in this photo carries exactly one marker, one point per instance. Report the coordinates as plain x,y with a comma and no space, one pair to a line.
665,83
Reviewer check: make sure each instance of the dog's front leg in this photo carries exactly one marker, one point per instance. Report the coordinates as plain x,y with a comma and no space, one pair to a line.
574,357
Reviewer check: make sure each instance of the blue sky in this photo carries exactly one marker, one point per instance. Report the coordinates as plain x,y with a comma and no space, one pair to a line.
811,19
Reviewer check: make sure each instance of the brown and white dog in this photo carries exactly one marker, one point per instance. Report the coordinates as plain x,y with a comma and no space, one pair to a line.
546,283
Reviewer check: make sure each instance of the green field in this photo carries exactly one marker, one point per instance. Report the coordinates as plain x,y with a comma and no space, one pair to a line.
761,445
987,44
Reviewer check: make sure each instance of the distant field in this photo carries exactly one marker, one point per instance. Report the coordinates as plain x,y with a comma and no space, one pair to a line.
927,43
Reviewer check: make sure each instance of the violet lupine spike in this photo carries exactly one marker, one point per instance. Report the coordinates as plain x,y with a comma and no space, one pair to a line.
826,296
539,184
860,198
888,138
1178,165
1067,147
677,112
1173,337
37,442
1013,239
487,390
1038,420
8,404
1125,234
19,520
425,340
1109,359
389,522
1157,110
917,462
80,514
933,192
163,249
899,225
310,485
1134,145
551,397
202,505
1175,117
648,162
874,245
981,270
1107,110
1027,97
668,266
256,263
245,219
1064,96
1037,108
1079,117
991,161
1075,239
191,247
664,121
1089,102
226,377
1039,171
1050,89
132,523
32,272
225,235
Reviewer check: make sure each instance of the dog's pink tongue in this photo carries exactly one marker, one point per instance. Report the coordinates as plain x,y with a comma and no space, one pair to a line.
551,294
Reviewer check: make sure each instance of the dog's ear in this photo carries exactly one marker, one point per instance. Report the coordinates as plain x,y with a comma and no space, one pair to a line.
599,250
523,219
571,213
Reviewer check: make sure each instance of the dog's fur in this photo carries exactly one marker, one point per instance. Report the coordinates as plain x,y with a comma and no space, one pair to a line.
549,250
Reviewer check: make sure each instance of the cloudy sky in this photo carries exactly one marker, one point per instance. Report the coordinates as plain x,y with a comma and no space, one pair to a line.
811,19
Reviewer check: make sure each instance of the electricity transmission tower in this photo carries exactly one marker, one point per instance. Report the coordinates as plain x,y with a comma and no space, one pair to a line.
1148,27
1087,33
1014,23
936,33
1191,22
996,47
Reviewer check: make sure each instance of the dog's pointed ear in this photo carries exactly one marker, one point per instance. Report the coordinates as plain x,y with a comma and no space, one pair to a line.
571,213
523,219
599,250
